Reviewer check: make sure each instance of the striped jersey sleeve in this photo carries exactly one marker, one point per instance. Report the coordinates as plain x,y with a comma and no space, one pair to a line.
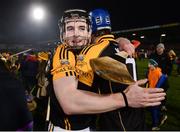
63,63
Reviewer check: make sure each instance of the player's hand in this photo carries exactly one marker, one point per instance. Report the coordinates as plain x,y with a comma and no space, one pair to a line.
126,45
143,97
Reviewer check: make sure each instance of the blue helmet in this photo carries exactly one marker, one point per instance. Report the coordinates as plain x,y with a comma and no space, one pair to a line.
100,19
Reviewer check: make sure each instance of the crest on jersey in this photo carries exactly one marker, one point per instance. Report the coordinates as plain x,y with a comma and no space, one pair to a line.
80,57
64,62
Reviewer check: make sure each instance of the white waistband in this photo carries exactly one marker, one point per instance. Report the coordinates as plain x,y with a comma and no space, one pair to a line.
51,127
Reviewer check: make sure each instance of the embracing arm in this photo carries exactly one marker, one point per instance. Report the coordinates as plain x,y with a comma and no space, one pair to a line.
74,101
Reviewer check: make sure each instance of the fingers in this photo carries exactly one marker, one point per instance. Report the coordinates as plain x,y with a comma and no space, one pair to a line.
126,45
143,97
130,53
129,48
141,82
154,98
152,104
132,48
154,90
153,101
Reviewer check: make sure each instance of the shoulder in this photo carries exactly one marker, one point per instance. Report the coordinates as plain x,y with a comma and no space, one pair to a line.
87,48
62,52
62,57
94,50
101,46
61,48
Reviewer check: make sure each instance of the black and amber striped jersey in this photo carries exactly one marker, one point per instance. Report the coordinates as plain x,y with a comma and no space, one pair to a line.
121,119
106,46
64,63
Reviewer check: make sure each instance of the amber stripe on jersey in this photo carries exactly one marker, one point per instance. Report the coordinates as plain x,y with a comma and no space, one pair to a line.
85,50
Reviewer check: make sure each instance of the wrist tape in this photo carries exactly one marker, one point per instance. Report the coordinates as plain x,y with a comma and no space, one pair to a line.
125,99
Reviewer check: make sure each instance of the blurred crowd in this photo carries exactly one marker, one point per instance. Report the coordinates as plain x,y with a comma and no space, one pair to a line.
31,70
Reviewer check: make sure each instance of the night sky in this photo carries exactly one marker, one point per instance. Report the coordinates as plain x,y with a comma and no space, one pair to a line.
16,26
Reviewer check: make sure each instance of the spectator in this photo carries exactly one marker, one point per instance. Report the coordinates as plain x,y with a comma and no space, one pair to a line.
164,62
14,112
154,74
172,57
42,95
29,69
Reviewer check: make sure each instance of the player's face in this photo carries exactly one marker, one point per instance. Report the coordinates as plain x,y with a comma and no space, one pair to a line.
76,32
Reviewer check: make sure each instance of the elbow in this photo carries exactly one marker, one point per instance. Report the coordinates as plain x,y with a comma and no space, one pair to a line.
68,108
68,111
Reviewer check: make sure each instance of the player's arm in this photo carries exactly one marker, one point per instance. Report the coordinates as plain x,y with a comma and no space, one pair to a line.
74,101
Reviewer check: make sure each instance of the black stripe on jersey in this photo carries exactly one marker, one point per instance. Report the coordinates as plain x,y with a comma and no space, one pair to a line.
60,52
83,50
118,58
114,41
67,55
86,49
106,38
71,73
74,73
64,53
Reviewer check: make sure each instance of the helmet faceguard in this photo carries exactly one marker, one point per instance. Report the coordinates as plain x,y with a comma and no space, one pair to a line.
100,20
75,28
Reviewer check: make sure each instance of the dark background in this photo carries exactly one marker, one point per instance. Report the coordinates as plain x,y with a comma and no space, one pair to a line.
17,27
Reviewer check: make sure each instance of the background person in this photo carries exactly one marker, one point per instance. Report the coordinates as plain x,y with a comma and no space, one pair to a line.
154,74
14,112
164,62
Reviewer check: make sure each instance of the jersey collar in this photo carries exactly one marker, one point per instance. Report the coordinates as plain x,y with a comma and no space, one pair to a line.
105,37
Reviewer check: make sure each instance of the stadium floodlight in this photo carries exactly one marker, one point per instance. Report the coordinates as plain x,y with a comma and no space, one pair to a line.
38,13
